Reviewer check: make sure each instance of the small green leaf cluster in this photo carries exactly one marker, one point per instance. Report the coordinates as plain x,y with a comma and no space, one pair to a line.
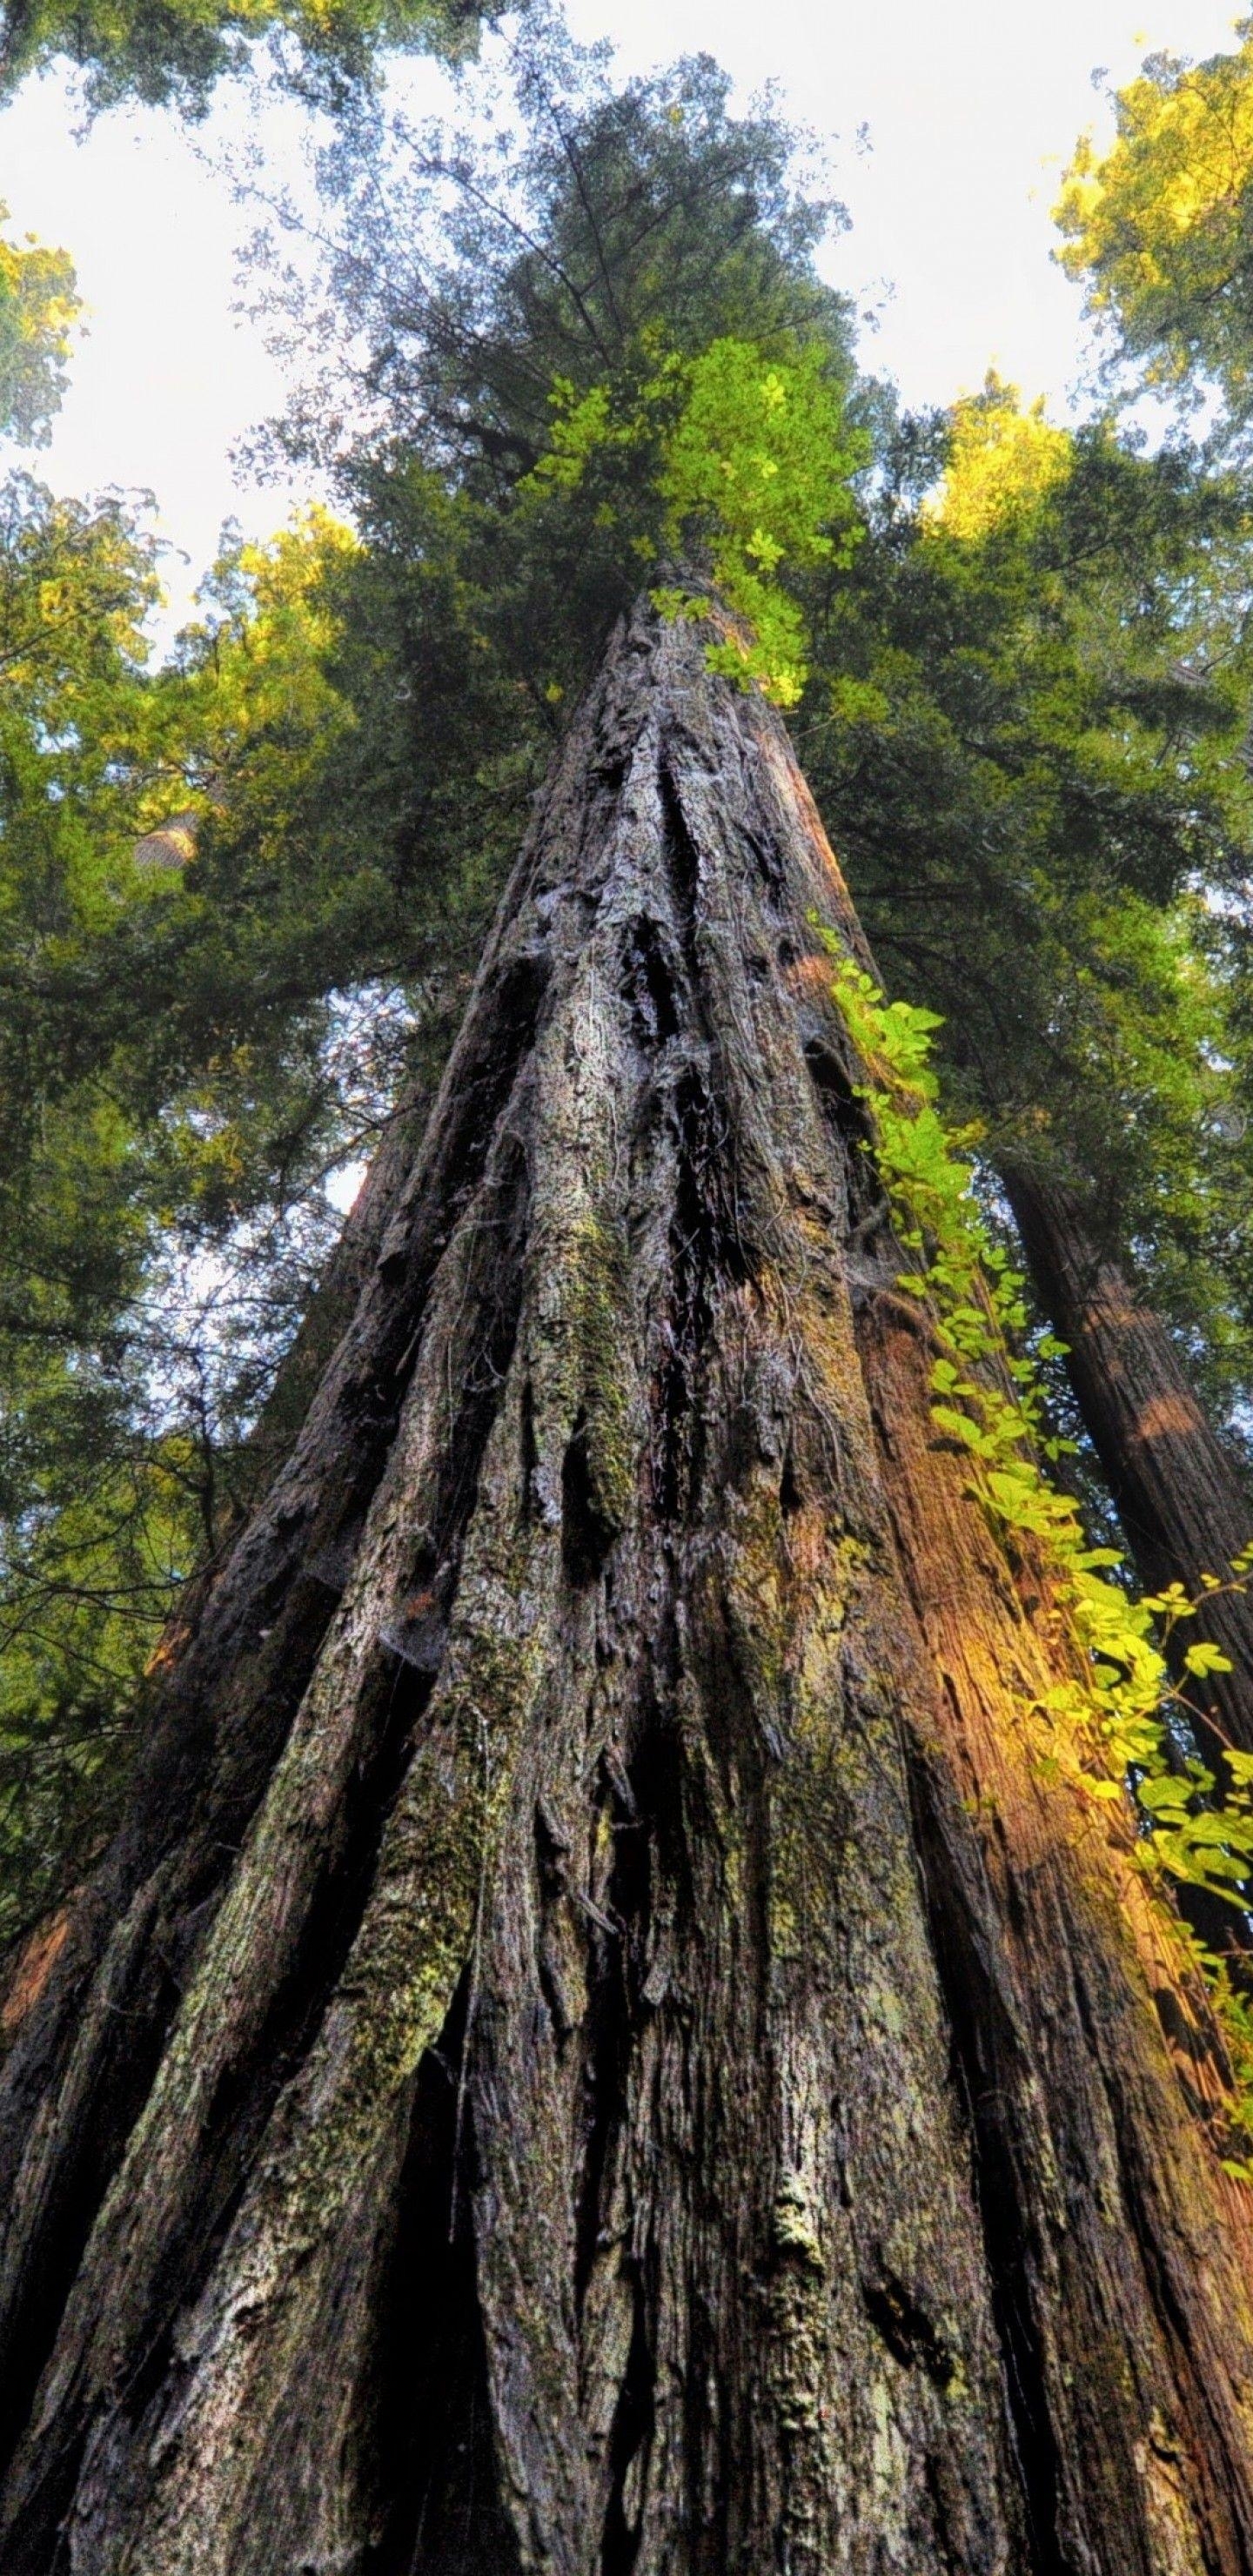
759,467
750,458
1109,1728
39,305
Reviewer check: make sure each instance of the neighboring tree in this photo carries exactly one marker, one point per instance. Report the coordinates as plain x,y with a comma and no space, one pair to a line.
39,305
1161,229
1026,724
607,2037
1181,1500
177,1073
176,51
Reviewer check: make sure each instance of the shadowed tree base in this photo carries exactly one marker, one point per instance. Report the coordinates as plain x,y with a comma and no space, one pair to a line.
596,2051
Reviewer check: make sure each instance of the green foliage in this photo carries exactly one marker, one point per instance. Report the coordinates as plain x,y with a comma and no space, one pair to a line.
526,301
1001,464
1114,1727
175,51
1159,229
177,1071
78,1590
1025,726
751,460
38,309
757,471
100,1526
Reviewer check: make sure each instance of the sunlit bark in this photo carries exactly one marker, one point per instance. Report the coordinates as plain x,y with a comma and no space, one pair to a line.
599,2048
1180,1499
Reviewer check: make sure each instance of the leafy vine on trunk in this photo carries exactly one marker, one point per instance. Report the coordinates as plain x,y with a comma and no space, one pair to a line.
1115,1728
596,2049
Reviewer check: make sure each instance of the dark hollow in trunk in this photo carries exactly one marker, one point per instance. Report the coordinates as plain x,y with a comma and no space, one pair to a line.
1179,1497
597,2050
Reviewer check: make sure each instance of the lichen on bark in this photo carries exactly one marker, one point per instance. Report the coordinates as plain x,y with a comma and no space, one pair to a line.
626,2067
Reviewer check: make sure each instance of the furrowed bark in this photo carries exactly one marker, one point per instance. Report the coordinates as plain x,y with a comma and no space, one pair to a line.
37,1949
1180,1500
331,1309
606,2054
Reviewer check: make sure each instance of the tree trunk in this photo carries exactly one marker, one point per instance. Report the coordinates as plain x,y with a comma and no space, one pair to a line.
1181,1502
598,2050
334,1301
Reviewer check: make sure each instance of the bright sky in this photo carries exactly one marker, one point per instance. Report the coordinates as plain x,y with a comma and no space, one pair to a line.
972,107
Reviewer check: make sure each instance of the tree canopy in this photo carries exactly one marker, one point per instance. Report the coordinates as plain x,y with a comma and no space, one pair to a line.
645,1730
1026,724
572,344
176,51
1160,229
38,307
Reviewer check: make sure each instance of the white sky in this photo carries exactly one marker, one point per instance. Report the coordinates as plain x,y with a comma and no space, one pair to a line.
972,106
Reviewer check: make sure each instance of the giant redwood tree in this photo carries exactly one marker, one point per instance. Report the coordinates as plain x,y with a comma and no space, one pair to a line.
1180,1497
601,2046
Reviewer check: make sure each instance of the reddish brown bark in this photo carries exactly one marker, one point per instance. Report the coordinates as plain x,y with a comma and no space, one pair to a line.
599,2049
1180,1499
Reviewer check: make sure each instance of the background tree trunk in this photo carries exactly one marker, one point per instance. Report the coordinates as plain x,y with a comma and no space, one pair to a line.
1181,1502
597,2049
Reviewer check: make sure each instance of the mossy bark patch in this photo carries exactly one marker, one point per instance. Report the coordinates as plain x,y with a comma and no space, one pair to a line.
596,2051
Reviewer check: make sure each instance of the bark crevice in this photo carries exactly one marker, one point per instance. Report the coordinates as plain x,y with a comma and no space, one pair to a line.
988,2070
653,2087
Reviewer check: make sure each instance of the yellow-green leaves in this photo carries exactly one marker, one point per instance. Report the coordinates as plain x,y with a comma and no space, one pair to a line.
1002,461
732,462
1204,1658
38,309
583,426
250,705
987,1401
1159,228
757,472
